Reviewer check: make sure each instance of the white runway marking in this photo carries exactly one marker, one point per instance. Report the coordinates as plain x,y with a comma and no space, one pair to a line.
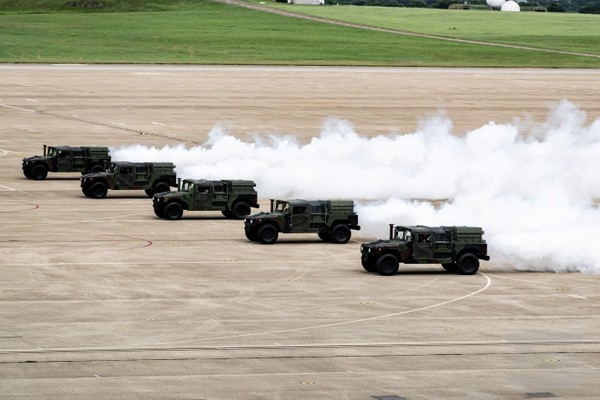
487,284
4,187
3,152
17,108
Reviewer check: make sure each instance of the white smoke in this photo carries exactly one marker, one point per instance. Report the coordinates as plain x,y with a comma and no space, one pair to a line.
532,187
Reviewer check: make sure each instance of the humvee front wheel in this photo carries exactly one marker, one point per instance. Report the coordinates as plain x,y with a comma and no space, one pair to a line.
159,211
27,173
368,265
173,211
98,190
240,210
468,264
39,172
340,234
387,264
267,234
251,236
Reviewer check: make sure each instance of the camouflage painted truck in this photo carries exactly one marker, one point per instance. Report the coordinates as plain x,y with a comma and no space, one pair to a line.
457,248
152,177
332,220
232,197
66,159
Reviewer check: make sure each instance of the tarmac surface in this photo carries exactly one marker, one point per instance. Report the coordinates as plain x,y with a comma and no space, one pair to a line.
100,299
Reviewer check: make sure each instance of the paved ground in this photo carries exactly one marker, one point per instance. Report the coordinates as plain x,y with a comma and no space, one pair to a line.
100,299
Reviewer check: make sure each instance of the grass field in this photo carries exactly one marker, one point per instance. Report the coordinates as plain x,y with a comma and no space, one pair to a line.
558,31
205,32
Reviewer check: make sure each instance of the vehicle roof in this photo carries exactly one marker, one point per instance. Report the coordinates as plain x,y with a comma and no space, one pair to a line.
424,229
205,181
132,163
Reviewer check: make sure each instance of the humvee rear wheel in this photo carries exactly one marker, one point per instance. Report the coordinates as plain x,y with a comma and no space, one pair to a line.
149,192
240,210
97,168
387,264
173,211
161,187
267,234
226,213
468,264
340,234
39,172
368,265
98,190
325,236
450,267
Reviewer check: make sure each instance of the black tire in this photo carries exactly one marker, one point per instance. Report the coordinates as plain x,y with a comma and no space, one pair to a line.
96,168
267,234
340,234
240,210
325,236
368,265
387,264
86,191
98,190
27,173
161,187
226,213
173,211
149,192
159,211
468,264
251,236
39,172
450,267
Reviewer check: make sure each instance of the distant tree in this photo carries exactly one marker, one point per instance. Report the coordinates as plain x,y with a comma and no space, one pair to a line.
555,7
417,3
590,9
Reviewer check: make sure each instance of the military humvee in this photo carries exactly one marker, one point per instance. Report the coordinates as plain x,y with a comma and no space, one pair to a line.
332,220
66,159
232,197
457,248
152,177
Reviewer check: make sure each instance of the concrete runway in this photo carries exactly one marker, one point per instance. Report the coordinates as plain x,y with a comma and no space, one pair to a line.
100,299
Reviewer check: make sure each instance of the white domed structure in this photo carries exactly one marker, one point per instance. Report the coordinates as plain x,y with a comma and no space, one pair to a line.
510,5
495,3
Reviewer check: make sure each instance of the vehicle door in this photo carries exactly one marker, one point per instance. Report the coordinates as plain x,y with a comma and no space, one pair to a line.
65,161
442,245
423,246
141,176
125,177
203,196
299,218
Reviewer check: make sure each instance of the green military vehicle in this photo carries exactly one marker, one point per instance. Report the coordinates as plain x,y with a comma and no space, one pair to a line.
332,220
457,248
232,197
152,177
66,159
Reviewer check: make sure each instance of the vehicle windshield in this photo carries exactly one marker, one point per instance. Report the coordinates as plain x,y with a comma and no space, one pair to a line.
187,186
113,168
51,152
282,206
403,234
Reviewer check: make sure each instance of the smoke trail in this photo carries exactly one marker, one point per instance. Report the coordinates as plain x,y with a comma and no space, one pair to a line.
532,187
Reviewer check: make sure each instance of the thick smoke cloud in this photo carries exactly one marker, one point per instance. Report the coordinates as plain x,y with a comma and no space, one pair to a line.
532,187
